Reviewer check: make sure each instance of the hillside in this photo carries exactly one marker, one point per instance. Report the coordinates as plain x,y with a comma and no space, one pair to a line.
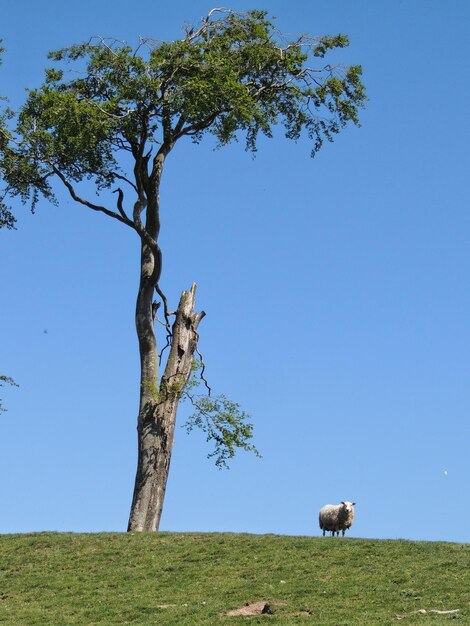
193,579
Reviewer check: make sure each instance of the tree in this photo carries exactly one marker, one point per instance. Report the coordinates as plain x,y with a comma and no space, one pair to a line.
116,119
7,220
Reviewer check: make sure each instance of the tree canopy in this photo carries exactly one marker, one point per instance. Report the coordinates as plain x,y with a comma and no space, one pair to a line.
234,75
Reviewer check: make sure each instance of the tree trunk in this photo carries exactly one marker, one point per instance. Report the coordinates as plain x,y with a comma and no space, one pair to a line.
158,406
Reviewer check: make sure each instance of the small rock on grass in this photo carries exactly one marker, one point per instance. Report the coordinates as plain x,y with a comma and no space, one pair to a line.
254,608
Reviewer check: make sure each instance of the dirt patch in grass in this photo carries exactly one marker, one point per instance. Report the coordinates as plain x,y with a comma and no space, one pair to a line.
248,610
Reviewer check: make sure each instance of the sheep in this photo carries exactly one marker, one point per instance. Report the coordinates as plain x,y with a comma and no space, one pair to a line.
336,517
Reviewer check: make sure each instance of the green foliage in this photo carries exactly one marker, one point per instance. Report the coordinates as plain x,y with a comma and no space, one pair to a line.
193,579
7,220
9,381
20,172
234,75
224,424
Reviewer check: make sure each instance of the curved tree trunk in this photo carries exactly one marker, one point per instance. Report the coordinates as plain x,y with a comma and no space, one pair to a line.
159,403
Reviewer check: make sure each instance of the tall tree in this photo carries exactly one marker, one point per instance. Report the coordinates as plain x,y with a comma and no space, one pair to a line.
116,119
7,219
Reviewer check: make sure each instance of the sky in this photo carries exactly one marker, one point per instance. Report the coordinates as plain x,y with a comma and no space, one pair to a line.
336,291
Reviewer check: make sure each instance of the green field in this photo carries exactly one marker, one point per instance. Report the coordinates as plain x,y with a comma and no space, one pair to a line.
190,579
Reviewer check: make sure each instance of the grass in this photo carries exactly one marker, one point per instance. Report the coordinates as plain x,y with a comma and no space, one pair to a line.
192,579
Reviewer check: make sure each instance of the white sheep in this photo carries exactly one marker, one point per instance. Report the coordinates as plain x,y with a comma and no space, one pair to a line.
336,517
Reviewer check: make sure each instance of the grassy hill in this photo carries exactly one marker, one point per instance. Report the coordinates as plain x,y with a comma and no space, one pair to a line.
193,579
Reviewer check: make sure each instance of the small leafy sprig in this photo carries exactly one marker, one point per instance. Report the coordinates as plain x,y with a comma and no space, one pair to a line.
223,422
9,381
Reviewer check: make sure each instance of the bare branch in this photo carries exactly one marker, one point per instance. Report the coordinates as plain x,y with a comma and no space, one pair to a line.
102,41
107,113
203,369
193,129
126,180
119,143
120,199
169,337
180,124
192,34
91,205
167,313
142,42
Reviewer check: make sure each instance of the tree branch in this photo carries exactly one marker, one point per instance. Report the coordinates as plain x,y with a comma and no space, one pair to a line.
203,369
179,125
91,205
139,206
120,193
192,34
107,113
126,180
167,313
119,143
193,129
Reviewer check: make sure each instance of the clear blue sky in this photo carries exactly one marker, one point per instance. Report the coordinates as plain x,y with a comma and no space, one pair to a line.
336,291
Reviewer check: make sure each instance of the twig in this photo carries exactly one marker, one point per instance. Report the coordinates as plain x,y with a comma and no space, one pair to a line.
121,177
203,369
427,612
167,313
111,115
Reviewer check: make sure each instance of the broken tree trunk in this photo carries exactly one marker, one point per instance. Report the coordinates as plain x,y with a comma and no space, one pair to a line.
157,417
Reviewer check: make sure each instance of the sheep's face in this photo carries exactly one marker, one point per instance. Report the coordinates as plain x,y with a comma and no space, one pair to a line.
348,506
